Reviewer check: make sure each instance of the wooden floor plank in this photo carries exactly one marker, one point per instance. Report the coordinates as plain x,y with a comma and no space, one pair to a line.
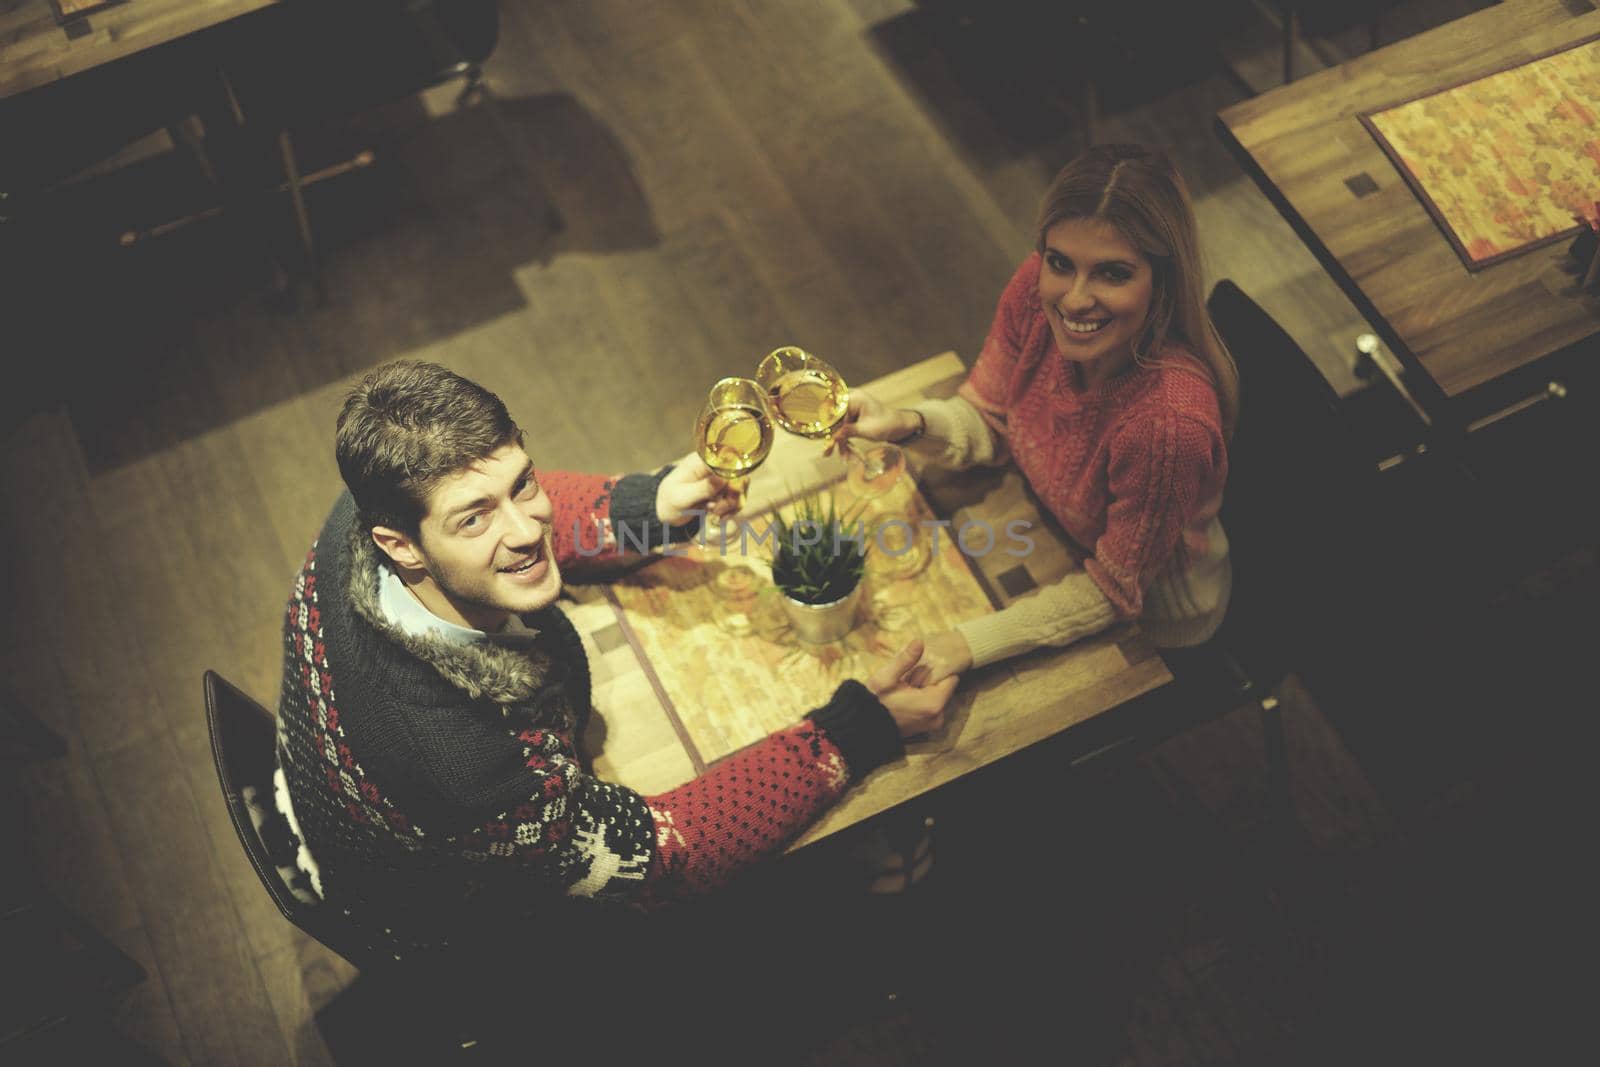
196,940
302,978
72,842
67,562
264,928
145,1014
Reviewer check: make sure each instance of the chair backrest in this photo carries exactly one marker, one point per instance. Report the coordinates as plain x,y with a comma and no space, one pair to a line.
1296,479
243,741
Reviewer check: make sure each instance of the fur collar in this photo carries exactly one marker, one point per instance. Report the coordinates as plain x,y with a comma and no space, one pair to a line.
483,671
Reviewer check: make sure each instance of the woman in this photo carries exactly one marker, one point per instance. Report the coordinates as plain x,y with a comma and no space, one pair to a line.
1104,380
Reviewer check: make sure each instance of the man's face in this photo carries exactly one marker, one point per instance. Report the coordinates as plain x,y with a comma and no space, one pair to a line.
483,551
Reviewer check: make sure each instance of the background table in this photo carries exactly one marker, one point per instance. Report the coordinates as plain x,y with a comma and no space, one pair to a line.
1468,343
995,712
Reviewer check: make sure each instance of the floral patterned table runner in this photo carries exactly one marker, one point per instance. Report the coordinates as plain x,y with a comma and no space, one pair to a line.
1504,163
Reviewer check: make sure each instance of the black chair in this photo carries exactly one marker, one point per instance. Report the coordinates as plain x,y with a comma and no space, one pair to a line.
436,1015
303,63
1299,488
243,741
421,1008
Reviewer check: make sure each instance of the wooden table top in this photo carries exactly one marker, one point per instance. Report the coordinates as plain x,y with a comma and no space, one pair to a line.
35,50
1455,331
995,712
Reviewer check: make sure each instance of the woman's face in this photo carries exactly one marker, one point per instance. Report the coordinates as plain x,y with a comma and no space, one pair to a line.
1096,289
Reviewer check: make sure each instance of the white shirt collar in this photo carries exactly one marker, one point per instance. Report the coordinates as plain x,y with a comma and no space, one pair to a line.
406,612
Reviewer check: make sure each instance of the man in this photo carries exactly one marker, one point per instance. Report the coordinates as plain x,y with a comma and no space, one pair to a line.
433,695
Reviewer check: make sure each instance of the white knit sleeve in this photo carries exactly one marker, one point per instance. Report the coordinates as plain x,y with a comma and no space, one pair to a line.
1056,615
956,435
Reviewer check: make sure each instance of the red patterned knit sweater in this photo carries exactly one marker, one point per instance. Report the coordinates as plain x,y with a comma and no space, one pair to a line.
437,784
1132,468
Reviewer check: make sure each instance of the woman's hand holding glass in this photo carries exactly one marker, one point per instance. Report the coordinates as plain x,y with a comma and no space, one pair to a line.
808,397
869,418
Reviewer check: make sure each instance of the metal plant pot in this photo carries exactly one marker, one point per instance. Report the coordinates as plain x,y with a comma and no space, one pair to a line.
818,624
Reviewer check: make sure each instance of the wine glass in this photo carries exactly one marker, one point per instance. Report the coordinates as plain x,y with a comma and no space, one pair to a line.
738,598
877,474
808,397
806,394
879,468
734,431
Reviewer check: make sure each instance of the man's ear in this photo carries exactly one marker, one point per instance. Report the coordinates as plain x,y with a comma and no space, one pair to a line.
399,547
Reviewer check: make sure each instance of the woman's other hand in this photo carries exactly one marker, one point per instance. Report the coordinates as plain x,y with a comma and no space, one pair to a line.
944,656
915,709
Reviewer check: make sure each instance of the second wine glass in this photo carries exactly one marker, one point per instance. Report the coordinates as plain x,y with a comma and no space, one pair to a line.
808,397
734,431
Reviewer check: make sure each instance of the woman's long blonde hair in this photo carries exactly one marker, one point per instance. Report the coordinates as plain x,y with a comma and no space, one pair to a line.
1136,189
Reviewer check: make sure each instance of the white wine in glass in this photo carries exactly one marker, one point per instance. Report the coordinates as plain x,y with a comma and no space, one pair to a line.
734,432
806,394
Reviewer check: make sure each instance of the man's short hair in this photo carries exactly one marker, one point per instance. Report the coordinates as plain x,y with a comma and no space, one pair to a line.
407,426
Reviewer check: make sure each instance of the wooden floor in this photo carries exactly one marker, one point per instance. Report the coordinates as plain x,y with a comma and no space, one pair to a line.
849,175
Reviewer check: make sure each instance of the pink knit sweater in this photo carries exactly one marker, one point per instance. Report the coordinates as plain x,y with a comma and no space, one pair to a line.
1133,468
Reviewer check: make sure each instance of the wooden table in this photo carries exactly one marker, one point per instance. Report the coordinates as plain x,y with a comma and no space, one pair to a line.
1469,343
35,50
996,711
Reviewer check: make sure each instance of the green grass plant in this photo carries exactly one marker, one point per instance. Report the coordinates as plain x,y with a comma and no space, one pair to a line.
818,555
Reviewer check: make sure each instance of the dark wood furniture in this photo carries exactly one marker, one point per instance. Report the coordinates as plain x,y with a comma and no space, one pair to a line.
1472,346
36,50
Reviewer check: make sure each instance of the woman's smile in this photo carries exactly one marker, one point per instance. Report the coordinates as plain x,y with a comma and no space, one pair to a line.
1086,326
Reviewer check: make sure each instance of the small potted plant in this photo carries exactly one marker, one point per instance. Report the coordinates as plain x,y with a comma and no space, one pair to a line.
818,558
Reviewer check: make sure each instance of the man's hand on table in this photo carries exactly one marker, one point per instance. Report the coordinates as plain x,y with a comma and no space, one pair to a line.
944,657
690,489
916,709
